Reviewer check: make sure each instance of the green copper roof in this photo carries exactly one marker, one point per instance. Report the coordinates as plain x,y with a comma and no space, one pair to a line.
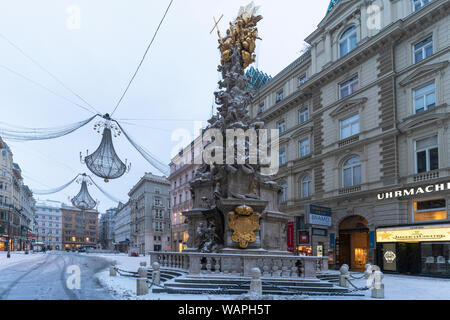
256,78
332,4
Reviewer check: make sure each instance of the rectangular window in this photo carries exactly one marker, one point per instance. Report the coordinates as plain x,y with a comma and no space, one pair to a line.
303,115
304,148
280,95
348,87
4,153
430,210
301,80
4,172
157,190
427,155
282,126
350,126
282,156
417,4
424,98
423,49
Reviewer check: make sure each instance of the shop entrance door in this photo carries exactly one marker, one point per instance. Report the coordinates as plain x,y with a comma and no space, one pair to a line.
354,242
409,258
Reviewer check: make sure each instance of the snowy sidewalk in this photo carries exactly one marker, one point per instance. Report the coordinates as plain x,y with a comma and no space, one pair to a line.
397,287
18,257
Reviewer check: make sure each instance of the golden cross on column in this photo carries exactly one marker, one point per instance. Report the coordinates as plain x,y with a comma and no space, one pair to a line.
216,24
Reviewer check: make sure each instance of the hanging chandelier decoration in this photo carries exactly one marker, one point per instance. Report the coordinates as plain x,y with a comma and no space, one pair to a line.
104,162
83,199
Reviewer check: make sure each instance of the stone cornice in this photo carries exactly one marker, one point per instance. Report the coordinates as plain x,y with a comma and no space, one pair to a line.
348,106
424,71
419,120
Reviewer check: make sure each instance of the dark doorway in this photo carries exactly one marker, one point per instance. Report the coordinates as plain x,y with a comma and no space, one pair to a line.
409,258
345,256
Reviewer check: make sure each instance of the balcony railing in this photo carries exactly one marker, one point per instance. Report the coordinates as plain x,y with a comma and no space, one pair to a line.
271,266
426,176
348,141
350,190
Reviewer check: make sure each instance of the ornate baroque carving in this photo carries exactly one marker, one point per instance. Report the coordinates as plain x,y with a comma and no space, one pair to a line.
244,221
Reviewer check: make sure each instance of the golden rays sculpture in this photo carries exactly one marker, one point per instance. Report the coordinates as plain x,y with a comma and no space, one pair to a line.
242,35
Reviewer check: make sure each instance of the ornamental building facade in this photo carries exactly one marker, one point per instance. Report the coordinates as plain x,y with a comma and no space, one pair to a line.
150,227
364,114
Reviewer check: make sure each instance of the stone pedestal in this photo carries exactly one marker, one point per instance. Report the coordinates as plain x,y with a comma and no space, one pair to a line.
141,282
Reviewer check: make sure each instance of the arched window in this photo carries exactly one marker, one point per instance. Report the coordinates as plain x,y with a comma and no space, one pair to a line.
351,172
347,41
283,195
306,186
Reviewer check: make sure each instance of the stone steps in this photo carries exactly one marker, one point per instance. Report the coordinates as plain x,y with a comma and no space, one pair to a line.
212,285
215,282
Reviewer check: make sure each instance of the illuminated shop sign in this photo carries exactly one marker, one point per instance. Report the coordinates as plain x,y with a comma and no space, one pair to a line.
414,191
416,234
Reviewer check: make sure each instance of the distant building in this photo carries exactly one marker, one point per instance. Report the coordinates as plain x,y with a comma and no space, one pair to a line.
106,229
16,203
150,220
182,171
80,228
48,224
122,227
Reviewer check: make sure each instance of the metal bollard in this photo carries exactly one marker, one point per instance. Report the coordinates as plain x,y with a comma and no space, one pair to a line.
256,283
141,282
156,274
344,276
112,269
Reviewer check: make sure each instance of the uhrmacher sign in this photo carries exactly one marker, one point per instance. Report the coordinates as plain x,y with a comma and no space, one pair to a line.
414,191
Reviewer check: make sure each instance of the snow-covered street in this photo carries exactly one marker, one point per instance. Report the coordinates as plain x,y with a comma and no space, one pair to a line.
43,276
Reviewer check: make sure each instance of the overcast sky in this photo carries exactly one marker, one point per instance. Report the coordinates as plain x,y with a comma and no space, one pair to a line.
96,60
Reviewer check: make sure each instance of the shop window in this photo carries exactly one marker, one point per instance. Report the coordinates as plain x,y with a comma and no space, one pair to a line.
436,258
430,210
347,41
360,256
427,154
425,98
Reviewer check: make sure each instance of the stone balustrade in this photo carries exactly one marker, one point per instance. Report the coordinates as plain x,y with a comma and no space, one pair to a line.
284,266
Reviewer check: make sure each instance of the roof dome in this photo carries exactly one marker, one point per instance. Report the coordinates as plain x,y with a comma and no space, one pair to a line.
332,4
